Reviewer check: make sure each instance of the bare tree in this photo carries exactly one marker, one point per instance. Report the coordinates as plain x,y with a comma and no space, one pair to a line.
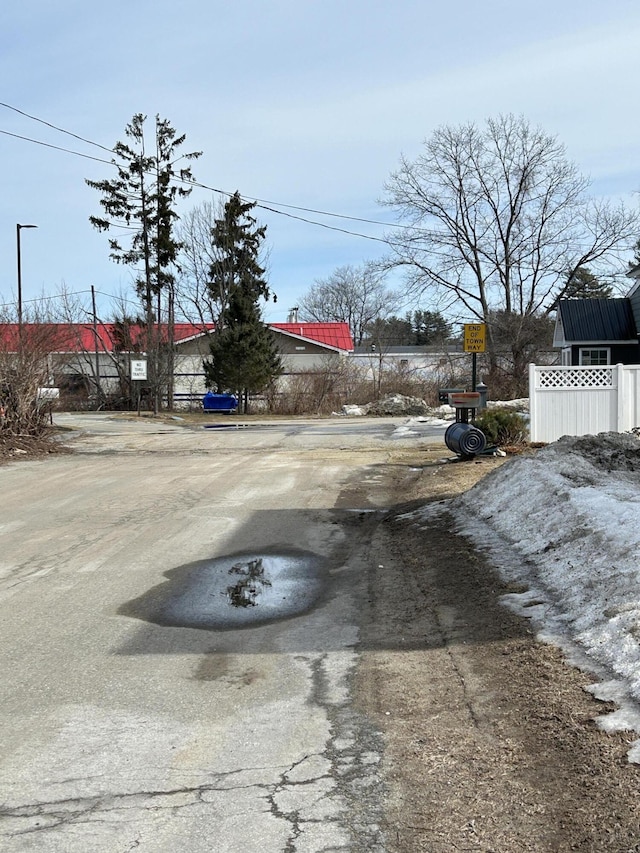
354,295
205,280
195,299
499,221
27,351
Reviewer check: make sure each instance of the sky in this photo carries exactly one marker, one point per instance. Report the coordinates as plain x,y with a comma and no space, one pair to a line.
570,539
296,103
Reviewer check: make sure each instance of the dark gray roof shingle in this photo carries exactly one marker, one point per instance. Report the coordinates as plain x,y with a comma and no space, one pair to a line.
597,320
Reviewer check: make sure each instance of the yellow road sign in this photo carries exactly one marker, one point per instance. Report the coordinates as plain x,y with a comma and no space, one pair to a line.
475,337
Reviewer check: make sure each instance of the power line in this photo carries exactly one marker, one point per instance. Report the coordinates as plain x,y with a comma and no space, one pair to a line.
45,298
263,204
55,127
56,147
39,299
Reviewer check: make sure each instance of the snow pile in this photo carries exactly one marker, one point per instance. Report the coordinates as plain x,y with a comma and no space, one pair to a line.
445,411
565,524
352,411
521,405
570,516
397,404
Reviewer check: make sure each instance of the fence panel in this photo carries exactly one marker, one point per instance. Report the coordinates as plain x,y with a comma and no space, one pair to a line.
630,397
573,401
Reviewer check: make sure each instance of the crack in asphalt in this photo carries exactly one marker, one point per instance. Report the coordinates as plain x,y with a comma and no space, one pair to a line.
78,809
354,751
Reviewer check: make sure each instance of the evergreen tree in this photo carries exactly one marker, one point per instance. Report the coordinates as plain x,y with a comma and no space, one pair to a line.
392,331
583,284
430,327
418,329
143,198
244,358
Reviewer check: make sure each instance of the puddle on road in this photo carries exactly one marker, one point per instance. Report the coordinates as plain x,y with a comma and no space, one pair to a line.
238,591
225,426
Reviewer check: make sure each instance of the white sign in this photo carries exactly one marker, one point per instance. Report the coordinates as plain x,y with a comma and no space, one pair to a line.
139,369
48,393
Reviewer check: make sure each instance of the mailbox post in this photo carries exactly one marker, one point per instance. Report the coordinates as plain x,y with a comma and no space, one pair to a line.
465,403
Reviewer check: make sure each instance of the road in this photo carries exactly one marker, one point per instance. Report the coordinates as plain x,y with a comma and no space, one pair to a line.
139,709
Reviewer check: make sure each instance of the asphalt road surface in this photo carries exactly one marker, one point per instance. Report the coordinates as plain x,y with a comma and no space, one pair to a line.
135,713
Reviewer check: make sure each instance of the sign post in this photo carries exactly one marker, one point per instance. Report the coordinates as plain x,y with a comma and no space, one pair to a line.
138,375
475,336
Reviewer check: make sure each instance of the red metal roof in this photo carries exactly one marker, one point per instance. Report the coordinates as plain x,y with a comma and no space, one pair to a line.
335,335
81,337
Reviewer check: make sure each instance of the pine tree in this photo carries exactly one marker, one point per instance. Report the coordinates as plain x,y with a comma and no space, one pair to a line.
143,198
430,327
244,358
583,284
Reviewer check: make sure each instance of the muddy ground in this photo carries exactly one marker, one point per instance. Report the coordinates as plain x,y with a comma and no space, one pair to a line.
491,743
17,447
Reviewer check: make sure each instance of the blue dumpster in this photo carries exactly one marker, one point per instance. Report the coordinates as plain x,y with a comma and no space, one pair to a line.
219,402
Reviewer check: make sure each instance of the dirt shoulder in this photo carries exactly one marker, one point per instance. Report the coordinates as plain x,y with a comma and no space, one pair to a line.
28,447
491,743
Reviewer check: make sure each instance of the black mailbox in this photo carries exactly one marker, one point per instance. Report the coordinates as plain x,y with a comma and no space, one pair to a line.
443,393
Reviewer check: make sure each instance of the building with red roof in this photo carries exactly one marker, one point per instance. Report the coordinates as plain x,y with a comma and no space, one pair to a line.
333,336
83,356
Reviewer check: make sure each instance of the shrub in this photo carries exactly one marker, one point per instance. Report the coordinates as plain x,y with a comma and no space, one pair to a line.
502,426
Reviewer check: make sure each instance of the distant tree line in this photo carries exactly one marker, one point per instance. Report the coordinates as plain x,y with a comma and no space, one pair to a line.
417,328
496,224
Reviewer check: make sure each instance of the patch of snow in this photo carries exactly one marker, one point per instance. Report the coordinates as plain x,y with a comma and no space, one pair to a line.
521,405
403,432
398,404
444,411
352,411
429,420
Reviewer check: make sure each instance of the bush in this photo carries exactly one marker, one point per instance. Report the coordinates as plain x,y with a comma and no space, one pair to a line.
502,426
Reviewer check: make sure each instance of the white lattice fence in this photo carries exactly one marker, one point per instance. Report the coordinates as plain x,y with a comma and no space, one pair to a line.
575,377
583,400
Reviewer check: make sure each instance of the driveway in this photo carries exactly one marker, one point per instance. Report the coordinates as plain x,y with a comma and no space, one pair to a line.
305,433
144,704
244,639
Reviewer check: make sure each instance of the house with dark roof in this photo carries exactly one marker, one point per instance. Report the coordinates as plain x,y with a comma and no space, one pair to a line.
594,332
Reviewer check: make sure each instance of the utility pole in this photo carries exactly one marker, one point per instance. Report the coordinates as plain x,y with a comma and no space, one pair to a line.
18,229
95,341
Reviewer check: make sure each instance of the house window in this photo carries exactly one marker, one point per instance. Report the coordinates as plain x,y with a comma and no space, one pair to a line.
404,362
594,357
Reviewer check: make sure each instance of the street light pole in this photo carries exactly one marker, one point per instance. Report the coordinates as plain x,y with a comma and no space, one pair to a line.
18,227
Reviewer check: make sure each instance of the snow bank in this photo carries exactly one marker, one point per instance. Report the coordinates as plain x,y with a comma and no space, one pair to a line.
565,524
